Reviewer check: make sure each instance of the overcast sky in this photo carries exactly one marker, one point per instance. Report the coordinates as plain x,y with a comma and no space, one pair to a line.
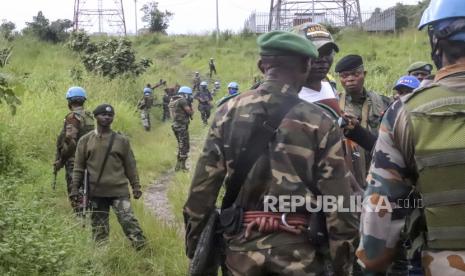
190,16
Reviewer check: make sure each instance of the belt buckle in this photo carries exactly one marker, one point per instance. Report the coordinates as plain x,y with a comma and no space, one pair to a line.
284,222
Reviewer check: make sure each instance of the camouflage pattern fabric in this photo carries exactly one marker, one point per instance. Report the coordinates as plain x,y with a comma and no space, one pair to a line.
391,176
123,211
181,131
195,84
166,109
177,107
307,150
296,259
376,105
204,97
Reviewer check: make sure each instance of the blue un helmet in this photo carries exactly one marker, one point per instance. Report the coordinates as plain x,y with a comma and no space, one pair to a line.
233,87
446,21
204,83
147,90
185,90
407,81
76,93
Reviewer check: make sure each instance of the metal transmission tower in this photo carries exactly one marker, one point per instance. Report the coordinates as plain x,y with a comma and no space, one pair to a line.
102,16
287,13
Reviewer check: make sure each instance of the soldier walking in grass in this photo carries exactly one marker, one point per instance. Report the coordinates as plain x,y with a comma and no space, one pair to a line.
169,92
267,142
212,67
196,82
181,113
204,98
76,124
145,105
108,158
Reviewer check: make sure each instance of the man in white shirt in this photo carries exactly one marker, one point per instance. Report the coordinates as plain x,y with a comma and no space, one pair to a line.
317,88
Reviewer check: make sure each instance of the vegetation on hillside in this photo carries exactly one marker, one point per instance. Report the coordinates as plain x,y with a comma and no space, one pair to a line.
38,232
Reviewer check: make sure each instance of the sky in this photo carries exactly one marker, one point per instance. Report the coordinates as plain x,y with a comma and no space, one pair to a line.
190,16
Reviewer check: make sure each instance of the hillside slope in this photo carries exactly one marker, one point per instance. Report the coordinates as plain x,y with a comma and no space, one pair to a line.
38,233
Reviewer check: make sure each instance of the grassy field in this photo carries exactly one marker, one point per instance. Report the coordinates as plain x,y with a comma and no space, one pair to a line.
38,233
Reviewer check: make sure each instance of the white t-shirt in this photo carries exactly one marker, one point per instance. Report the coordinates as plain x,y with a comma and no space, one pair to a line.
311,96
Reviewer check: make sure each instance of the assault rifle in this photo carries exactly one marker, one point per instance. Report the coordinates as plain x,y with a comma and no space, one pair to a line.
54,182
85,197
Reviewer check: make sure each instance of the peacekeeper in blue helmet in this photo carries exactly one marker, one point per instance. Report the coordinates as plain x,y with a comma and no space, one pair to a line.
76,124
405,85
233,91
144,105
419,154
181,112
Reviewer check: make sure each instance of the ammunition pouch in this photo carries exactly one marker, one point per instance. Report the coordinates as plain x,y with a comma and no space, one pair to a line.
231,219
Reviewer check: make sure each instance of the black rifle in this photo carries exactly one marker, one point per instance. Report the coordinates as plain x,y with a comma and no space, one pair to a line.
85,197
54,182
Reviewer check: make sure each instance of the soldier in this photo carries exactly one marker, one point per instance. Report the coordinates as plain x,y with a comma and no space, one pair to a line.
110,164
365,107
303,156
417,167
216,88
76,124
181,112
204,97
233,91
169,92
144,105
420,70
196,82
212,67
405,85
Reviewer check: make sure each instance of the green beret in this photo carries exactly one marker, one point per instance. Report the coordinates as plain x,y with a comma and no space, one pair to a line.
420,66
281,43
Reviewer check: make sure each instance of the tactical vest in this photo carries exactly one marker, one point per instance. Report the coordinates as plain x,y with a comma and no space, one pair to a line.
87,122
438,120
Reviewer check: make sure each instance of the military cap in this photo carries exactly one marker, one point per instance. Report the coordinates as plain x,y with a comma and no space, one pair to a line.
104,108
282,43
317,34
420,66
348,63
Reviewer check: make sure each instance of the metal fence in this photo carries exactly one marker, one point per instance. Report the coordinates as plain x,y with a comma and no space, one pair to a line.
375,21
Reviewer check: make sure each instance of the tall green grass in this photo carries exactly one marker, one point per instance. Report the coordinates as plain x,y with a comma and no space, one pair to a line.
48,239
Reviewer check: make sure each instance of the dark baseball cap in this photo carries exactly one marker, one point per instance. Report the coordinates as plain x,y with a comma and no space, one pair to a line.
316,33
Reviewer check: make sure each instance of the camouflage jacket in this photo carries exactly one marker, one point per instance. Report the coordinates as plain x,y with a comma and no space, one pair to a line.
76,124
370,119
392,173
177,110
306,151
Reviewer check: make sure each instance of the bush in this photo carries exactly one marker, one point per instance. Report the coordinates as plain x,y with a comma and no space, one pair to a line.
42,29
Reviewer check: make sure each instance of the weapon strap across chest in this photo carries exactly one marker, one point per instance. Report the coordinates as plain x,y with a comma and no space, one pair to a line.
107,153
257,144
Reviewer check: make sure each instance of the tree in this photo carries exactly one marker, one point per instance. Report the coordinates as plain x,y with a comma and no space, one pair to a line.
6,29
157,21
54,32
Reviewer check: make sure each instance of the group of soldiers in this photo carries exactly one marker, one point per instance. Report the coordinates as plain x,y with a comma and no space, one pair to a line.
294,136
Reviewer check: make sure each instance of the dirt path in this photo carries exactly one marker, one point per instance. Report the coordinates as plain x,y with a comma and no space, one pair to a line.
156,198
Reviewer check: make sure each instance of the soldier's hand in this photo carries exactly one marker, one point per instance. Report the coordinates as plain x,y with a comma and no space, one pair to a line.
74,198
57,165
137,194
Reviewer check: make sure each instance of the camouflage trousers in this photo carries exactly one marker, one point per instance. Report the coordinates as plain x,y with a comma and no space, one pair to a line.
122,208
69,166
166,113
181,131
204,112
145,118
292,259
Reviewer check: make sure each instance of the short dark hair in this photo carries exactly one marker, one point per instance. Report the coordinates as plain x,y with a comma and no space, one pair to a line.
452,49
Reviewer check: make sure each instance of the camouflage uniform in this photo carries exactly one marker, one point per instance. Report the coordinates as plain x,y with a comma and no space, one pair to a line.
166,101
145,104
307,150
76,123
368,110
180,125
204,97
392,175
112,189
196,83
